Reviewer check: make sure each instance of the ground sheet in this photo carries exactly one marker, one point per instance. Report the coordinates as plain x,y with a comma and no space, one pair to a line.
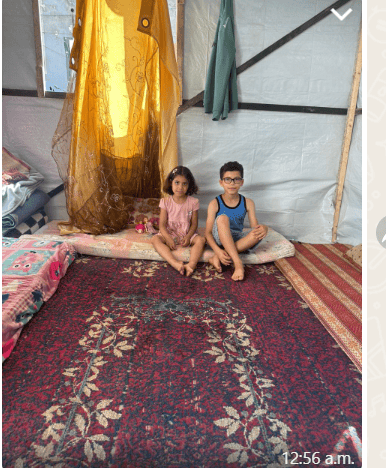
332,288
134,365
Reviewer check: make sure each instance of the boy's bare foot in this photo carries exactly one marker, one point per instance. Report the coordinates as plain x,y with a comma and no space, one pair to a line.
238,274
189,269
179,266
215,261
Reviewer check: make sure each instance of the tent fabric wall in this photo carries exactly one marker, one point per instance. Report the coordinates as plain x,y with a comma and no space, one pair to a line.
291,160
315,68
292,188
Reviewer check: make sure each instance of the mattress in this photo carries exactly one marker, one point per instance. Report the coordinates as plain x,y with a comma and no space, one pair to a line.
130,244
32,269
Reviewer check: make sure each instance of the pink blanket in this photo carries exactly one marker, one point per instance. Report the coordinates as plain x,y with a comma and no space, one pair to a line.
32,270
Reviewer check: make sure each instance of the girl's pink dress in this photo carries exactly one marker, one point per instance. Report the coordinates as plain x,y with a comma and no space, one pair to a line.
179,217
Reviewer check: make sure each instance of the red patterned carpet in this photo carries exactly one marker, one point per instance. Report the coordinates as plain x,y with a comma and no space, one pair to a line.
132,365
332,288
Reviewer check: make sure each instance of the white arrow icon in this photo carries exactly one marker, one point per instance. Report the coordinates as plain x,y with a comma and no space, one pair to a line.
343,16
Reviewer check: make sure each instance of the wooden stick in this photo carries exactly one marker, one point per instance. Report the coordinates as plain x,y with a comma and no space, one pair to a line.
180,40
38,48
347,136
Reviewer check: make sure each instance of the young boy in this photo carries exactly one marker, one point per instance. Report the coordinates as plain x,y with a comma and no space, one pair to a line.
225,222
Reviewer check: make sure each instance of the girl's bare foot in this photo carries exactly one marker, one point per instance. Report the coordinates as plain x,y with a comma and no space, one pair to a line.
179,266
238,274
215,261
189,269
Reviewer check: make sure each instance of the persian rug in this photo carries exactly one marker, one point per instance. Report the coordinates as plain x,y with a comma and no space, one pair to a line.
134,365
332,288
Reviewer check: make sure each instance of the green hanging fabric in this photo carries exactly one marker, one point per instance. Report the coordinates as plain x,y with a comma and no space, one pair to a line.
220,95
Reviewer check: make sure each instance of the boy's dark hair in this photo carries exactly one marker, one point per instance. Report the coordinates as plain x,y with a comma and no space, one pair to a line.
230,167
182,171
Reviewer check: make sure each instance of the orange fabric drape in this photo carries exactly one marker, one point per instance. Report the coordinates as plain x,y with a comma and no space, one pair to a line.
123,138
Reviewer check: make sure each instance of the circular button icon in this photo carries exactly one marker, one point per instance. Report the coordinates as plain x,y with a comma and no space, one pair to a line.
381,232
145,22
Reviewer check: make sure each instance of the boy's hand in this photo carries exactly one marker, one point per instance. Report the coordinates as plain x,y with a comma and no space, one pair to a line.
259,232
225,259
185,241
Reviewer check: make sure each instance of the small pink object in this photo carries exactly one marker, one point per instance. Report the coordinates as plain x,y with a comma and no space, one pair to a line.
150,228
140,228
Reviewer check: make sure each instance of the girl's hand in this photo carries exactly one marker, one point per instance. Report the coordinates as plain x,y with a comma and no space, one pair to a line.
171,244
185,241
225,259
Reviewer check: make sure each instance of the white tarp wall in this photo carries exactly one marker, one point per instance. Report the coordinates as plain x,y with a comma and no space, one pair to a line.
291,160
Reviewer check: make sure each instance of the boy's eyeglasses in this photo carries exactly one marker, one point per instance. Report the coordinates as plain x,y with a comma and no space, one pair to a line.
236,180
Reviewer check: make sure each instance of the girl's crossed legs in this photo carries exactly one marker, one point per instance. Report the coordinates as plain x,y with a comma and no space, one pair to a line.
197,242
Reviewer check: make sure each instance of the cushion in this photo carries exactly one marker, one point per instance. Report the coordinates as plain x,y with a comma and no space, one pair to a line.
141,208
354,255
19,181
130,244
13,169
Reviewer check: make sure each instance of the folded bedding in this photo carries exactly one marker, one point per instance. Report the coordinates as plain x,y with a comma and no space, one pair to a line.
30,225
36,201
19,181
31,273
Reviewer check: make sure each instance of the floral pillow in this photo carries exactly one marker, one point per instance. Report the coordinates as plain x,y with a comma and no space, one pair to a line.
142,210
19,181
13,169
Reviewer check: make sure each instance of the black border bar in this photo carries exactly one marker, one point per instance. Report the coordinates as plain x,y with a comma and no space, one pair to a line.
32,93
287,108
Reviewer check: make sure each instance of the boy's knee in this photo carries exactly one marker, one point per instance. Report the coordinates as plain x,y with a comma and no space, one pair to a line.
222,220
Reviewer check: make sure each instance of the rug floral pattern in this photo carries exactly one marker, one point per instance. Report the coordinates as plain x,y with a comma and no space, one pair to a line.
163,370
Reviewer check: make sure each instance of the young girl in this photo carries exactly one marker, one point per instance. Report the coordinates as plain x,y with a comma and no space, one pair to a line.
179,220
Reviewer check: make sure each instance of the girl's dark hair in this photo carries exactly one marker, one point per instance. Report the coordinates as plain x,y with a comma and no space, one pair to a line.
182,171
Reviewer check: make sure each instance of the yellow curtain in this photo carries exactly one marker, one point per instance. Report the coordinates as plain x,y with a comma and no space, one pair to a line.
123,139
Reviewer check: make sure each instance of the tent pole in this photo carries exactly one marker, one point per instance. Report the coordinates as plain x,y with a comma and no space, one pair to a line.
347,136
38,48
180,40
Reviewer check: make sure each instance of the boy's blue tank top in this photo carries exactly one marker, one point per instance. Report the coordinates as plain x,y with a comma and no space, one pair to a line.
236,214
